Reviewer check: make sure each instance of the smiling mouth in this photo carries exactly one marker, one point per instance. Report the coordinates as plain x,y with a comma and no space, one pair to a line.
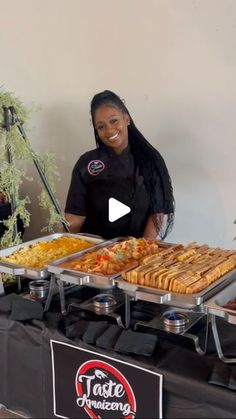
114,137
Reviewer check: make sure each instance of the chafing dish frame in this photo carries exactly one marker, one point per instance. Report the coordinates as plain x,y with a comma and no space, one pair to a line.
61,274
136,291
39,273
155,295
87,278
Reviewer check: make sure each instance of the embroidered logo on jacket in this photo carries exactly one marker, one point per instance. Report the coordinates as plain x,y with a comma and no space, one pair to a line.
95,167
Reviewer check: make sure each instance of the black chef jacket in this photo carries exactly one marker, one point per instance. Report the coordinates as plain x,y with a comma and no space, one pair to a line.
101,174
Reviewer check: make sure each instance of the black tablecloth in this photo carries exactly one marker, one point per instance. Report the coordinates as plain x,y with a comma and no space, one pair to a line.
26,371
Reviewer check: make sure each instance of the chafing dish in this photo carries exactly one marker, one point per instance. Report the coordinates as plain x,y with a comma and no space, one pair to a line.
61,275
82,277
194,305
40,273
159,296
136,291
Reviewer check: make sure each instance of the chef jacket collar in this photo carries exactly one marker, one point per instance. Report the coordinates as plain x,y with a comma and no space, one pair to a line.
111,152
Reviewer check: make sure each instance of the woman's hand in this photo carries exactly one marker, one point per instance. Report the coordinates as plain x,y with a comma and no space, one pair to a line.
75,222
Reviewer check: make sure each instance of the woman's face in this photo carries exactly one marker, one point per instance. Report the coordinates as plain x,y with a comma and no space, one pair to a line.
112,127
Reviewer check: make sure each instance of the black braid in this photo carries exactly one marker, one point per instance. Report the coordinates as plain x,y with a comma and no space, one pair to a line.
146,158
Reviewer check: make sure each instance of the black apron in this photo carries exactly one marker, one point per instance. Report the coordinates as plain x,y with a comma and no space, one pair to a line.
129,192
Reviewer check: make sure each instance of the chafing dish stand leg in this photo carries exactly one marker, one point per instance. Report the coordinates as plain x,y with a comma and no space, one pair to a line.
195,339
50,292
62,295
127,311
18,278
217,342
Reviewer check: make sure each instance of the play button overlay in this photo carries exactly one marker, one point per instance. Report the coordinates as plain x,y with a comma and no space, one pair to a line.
116,210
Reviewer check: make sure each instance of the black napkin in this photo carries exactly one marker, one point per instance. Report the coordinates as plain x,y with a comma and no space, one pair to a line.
77,329
23,309
223,375
108,339
136,343
68,320
220,375
93,331
7,301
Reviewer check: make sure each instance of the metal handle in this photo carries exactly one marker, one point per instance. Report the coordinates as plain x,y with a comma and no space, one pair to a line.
153,298
95,236
7,269
75,279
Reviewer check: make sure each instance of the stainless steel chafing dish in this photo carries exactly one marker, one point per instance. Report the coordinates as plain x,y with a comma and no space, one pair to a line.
136,291
195,306
40,273
62,275
172,298
82,277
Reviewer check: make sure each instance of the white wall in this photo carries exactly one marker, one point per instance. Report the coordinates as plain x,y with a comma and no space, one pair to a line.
174,61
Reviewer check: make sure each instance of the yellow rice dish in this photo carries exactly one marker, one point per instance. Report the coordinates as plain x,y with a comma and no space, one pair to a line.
37,255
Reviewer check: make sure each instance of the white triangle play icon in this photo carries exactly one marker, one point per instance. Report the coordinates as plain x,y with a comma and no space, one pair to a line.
116,209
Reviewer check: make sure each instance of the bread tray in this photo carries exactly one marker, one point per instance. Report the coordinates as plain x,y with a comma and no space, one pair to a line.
159,296
215,304
39,273
84,278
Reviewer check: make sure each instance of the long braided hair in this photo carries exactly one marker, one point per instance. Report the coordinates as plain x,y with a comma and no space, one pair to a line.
149,161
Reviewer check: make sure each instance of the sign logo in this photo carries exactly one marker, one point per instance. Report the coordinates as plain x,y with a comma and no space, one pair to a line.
102,389
95,167
97,386
116,209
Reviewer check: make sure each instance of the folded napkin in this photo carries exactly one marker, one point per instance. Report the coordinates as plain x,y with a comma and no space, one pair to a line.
23,310
7,301
136,343
108,339
77,329
223,375
93,331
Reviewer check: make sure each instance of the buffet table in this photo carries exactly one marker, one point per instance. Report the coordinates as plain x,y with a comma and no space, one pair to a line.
148,301
26,370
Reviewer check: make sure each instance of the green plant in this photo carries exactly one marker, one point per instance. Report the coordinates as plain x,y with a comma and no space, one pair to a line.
13,173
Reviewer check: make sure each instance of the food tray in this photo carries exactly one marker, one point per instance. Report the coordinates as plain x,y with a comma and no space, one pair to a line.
216,303
39,273
82,277
159,296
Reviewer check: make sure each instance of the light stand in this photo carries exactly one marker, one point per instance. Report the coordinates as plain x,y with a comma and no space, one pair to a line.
7,125
11,118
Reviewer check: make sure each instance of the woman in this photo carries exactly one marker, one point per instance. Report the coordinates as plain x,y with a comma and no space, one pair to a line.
126,167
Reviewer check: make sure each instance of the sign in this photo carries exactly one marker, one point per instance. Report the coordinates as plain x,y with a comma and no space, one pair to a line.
116,209
87,384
